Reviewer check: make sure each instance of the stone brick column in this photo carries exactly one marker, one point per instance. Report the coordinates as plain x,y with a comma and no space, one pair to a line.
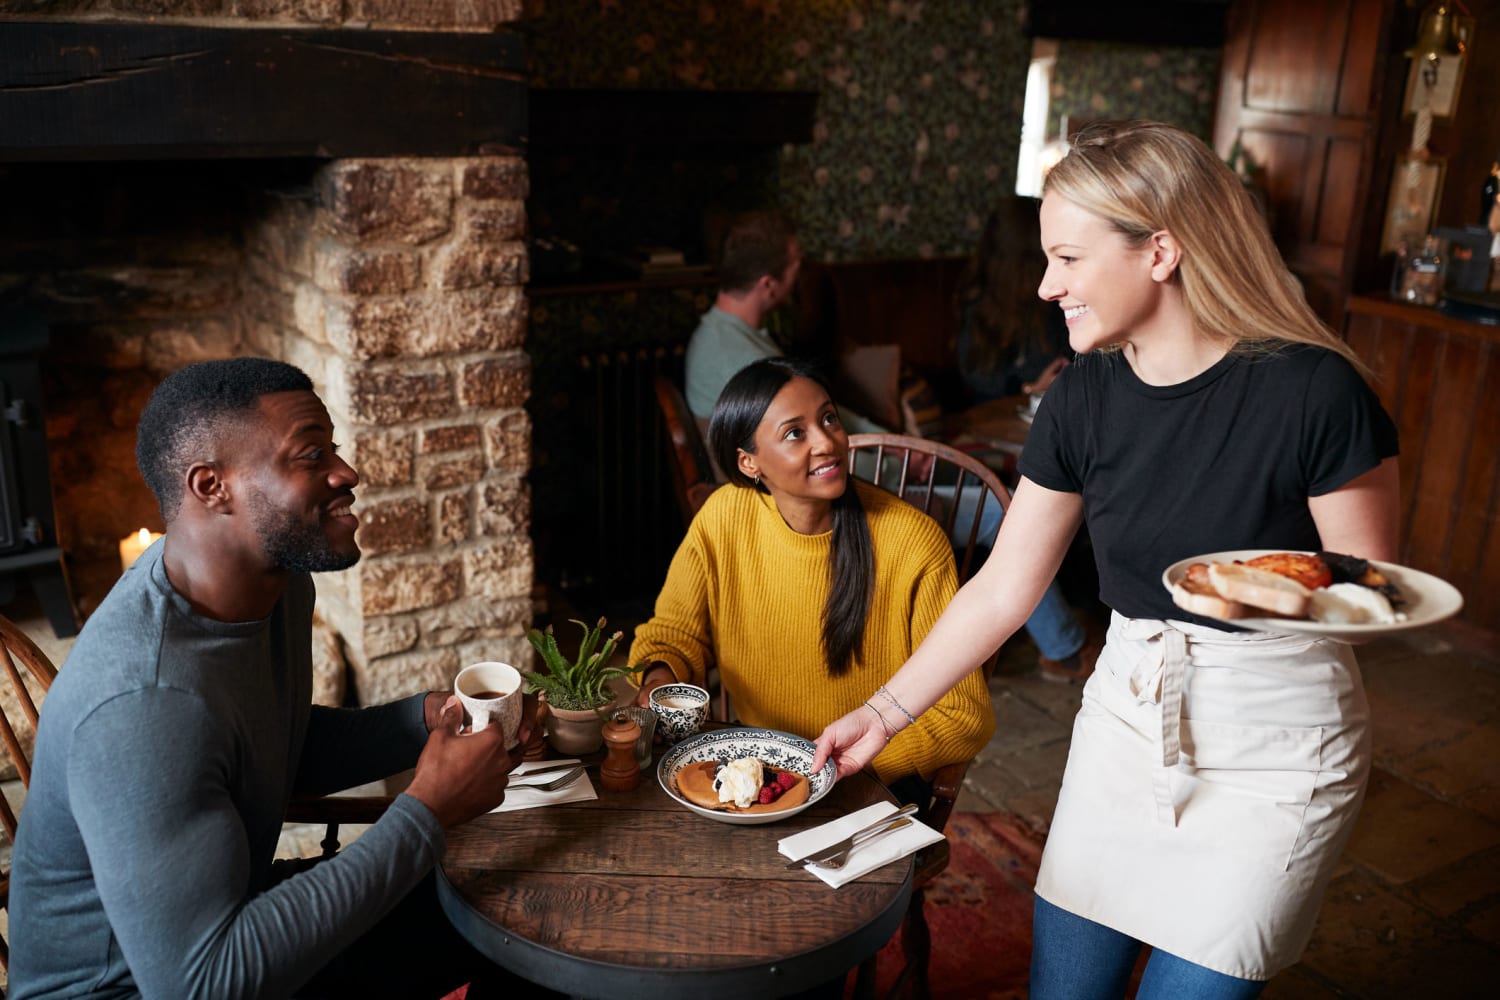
398,287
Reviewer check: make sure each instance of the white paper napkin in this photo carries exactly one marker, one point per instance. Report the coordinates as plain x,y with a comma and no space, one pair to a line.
518,796
866,857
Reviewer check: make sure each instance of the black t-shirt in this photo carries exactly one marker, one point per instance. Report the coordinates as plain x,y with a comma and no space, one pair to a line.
1225,460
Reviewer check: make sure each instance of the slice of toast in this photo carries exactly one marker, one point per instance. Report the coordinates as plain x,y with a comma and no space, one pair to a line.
1279,595
1194,593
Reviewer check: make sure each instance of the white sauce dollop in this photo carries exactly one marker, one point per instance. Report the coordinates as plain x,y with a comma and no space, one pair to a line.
1352,604
739,782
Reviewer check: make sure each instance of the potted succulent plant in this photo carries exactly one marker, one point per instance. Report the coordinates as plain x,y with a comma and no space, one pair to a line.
576,695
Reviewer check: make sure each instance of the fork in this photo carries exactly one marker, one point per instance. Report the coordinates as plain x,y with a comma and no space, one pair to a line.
836,855
840,859
566,778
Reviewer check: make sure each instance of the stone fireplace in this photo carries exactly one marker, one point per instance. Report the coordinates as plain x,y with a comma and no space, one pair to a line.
394,280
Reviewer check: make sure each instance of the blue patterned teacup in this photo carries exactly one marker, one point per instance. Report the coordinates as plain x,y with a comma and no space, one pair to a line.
680,710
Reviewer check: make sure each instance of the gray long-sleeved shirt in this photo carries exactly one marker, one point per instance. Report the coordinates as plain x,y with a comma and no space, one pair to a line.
168,748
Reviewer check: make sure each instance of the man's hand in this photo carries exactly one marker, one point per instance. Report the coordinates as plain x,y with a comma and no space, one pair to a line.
463,775
436,704
852,741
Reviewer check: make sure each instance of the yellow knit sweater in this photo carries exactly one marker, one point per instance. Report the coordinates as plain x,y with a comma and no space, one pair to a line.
747,593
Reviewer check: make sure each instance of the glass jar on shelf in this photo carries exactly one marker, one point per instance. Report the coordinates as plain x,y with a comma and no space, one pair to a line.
1422,282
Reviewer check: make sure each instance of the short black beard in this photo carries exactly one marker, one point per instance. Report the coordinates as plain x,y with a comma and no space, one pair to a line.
294,545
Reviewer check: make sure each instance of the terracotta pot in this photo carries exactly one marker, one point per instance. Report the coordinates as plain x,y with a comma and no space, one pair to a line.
574,733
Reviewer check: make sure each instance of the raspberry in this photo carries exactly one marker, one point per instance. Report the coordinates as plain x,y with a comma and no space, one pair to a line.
786,779
766,796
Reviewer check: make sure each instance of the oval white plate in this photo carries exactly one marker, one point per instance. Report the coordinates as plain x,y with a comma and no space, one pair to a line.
783,750
1429,599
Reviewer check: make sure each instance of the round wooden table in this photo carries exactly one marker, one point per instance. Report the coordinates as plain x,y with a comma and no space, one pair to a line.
632,895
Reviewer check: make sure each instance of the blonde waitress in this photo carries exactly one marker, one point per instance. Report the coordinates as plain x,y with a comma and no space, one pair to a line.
1214,775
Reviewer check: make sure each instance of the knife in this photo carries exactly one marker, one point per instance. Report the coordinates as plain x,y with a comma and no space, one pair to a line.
514,778
885,824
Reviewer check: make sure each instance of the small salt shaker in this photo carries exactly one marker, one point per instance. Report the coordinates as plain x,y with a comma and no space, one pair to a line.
620,771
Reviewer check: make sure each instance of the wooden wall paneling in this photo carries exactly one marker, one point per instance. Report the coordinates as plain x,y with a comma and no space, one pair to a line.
1439,378
1445,450
1297,91
1417,375
1336,200
1357,89
1484,593
1291,46
1475,546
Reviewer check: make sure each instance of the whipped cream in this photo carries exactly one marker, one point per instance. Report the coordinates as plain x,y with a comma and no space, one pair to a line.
739,782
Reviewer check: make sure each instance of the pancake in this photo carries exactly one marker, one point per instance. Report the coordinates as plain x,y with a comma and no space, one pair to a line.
695,782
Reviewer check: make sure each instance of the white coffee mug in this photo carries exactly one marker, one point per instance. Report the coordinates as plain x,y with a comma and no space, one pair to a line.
491,694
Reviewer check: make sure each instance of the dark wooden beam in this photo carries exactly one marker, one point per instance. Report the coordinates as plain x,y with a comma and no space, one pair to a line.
672,117
94,92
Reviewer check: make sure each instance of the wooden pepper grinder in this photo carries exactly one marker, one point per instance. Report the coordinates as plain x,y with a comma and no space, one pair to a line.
620,772
536,747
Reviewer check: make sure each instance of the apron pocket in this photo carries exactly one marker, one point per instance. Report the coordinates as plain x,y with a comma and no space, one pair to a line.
1256,782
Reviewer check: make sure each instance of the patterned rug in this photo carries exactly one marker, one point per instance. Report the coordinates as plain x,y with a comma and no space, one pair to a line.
979,912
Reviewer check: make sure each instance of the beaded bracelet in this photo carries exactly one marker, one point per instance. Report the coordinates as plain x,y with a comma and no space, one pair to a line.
892,699
889,732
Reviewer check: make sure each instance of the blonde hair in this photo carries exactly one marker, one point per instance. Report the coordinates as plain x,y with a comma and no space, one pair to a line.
1144,177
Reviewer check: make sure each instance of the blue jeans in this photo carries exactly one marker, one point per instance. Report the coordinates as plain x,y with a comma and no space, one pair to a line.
1052,626
1073,958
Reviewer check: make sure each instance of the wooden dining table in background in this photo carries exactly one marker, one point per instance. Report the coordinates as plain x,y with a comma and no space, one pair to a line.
997,422
633,896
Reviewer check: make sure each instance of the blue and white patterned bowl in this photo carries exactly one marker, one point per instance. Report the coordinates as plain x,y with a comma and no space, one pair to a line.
772,746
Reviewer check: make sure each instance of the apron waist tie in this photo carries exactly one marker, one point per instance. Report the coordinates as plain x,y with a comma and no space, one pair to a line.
1158,677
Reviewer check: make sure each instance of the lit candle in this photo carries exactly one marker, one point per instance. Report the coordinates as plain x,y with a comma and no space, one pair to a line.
131,546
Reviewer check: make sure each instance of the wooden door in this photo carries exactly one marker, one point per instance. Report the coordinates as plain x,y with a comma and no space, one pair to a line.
1299,89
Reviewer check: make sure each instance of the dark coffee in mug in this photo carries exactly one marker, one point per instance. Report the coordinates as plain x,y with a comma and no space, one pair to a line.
488,695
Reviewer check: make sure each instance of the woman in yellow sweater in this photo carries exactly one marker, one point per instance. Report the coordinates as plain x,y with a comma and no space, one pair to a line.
805,589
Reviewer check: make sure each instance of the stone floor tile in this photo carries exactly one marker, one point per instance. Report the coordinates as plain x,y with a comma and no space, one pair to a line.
1060,701
1468,763
1019,724
1485,802
1038,767
1035,808
1403,833
1485,925
993,783
1298,983
1416,701
1470,881
1377,946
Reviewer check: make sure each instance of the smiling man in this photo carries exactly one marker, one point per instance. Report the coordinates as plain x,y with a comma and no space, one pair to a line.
182,724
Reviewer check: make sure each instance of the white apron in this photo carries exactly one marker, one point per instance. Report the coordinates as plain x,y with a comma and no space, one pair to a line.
1212,782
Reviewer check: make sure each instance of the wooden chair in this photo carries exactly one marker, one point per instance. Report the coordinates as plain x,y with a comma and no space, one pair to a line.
692,472
17,648
954,488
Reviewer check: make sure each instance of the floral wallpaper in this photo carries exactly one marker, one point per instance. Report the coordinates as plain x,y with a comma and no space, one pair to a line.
917,129
1107,80
918,111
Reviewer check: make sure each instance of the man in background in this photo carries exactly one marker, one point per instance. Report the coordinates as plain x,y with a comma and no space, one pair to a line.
757,271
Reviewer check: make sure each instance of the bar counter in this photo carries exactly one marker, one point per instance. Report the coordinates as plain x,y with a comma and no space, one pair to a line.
1439,378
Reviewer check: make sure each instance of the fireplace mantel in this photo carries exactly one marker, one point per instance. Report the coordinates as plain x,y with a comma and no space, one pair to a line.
72,91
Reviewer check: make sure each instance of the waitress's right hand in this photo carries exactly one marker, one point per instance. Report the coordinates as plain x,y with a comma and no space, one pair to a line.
851,741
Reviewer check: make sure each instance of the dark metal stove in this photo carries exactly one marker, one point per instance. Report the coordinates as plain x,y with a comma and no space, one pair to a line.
28,535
